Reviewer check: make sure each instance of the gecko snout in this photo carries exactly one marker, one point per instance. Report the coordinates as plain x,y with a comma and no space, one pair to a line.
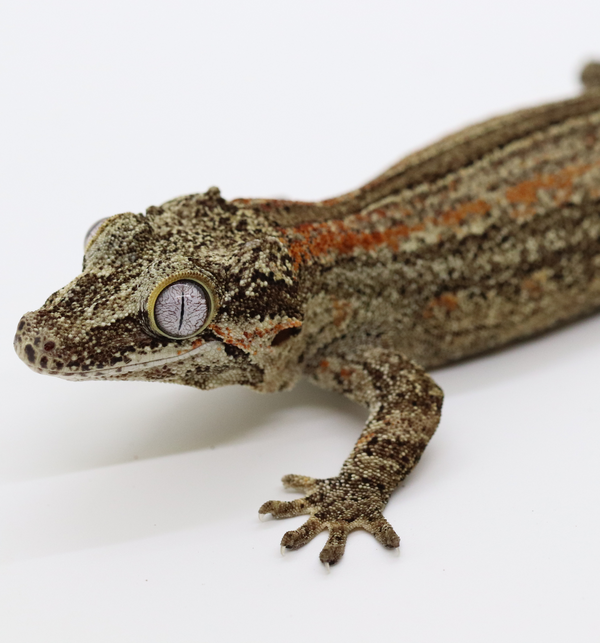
35,348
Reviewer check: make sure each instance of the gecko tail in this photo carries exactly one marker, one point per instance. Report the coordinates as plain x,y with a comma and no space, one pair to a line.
590,75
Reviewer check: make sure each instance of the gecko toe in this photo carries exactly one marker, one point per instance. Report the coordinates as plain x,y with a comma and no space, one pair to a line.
335,545
299,537
337,505
279,509
301,483
383,532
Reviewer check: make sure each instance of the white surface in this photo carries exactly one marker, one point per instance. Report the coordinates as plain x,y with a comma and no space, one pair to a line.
128,510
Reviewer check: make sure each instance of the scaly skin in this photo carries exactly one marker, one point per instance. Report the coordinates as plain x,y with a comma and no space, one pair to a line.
487,237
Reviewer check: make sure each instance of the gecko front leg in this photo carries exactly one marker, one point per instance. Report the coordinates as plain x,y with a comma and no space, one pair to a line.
405,406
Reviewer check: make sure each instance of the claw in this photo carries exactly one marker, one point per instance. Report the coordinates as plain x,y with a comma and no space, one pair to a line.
282,550
327,569
263,517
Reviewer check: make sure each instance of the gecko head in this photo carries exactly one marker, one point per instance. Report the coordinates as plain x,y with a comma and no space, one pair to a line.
198,291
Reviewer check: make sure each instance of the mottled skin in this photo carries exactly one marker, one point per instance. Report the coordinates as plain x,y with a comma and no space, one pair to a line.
487,237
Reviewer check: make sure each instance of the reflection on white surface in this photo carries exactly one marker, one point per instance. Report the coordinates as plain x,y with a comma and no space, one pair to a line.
501,510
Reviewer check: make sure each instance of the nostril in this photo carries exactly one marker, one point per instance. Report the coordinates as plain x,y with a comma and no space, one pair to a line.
48,346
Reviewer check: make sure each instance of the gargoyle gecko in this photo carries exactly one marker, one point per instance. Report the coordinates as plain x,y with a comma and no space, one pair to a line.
489,236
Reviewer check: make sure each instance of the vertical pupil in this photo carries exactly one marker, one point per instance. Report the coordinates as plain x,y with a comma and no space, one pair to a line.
181,308
182,313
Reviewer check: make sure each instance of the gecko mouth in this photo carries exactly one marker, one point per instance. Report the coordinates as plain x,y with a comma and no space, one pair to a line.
150,363
41,356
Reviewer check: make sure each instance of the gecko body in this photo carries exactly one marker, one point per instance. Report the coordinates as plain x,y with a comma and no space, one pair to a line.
487,237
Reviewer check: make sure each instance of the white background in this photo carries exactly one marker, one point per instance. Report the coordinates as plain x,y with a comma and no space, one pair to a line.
128,510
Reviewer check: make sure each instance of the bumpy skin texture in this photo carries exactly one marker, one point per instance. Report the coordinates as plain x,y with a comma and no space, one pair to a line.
487,237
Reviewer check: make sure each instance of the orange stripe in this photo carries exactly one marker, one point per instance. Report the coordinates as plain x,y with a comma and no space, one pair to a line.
527,191
322,238
246,342
318,239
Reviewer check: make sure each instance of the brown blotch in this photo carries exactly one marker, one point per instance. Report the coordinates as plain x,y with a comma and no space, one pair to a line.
44,362
30,353
21,325
48,346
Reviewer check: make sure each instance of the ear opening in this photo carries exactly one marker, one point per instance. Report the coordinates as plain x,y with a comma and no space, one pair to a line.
285,334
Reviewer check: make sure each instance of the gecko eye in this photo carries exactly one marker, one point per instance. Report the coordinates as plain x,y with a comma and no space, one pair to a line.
180,307
91,233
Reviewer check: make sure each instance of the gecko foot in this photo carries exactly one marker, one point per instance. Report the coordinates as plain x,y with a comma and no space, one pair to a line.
340,505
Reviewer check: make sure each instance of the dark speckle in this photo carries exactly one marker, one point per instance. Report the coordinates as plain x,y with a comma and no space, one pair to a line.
30,353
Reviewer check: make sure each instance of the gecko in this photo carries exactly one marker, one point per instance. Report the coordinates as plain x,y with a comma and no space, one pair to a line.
489,236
